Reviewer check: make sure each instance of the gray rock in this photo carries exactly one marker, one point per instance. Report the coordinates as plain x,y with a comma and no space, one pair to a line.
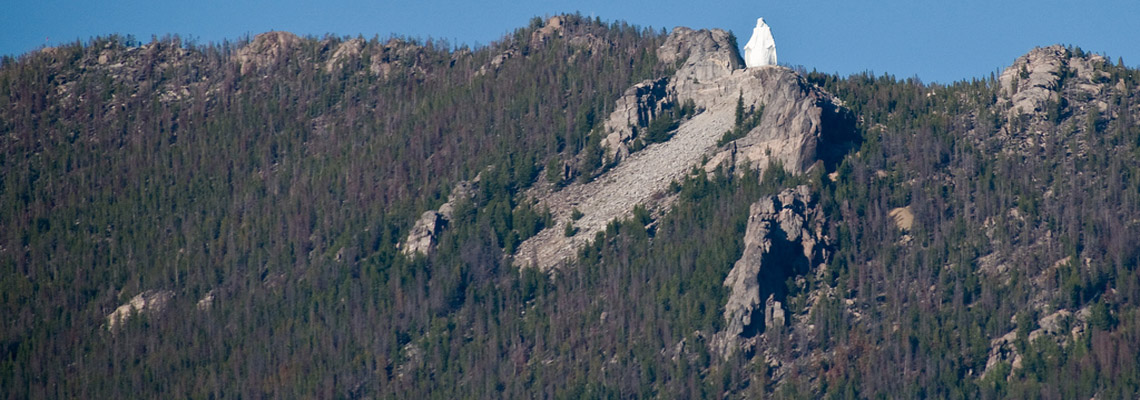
773,312
425,233
397,56
150,301
551,28
1047,88
1033,79
266,50
780,242
344,52
636,107
801,125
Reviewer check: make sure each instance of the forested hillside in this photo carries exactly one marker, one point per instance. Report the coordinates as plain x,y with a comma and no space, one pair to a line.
252,196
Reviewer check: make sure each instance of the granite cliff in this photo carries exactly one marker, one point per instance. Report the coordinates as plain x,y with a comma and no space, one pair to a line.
799,126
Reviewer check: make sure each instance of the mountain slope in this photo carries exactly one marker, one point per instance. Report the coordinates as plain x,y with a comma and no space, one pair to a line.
185,220
796,125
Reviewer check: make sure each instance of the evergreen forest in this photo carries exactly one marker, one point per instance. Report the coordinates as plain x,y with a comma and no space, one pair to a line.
265,200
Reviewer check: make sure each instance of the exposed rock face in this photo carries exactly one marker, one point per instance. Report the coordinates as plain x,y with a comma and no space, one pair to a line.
1032,79
1037,77
569,28
707,54
773,312
801,124
1046,88
150,301
346,51
639,105
551,28
266,50
206,301
785,238
761,49
396,55
797,116
1063,327
425,233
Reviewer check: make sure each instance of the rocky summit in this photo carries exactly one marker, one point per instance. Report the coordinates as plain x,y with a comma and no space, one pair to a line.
799,125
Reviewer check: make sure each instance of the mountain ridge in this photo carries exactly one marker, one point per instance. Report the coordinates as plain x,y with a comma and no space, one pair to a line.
239,216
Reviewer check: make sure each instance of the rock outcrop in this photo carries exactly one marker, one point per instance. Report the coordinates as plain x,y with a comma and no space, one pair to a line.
551,28
761,48
397,56
266,50
150,301
1038,77
1050,87
425,233
636,108
785,238
574,30
1063,327
797,118
346,51
800,125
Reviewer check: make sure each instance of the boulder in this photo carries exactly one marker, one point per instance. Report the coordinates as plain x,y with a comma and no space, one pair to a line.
425,232
150,301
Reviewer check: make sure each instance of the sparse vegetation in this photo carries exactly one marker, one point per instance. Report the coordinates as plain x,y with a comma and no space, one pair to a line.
746,120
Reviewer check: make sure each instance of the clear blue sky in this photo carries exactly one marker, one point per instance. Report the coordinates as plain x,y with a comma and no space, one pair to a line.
940,41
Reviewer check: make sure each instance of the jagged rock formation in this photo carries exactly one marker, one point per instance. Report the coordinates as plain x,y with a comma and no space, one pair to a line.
552,27
396,55
425,233
785,238
761,48
637,107
266,50
1036,78
1063,327
344,52
1051,87
150,301
801,124
570,29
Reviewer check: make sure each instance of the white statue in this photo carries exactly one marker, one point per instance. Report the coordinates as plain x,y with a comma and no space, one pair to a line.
761,49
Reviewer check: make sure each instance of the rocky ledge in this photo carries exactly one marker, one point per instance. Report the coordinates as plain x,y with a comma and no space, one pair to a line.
799,126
